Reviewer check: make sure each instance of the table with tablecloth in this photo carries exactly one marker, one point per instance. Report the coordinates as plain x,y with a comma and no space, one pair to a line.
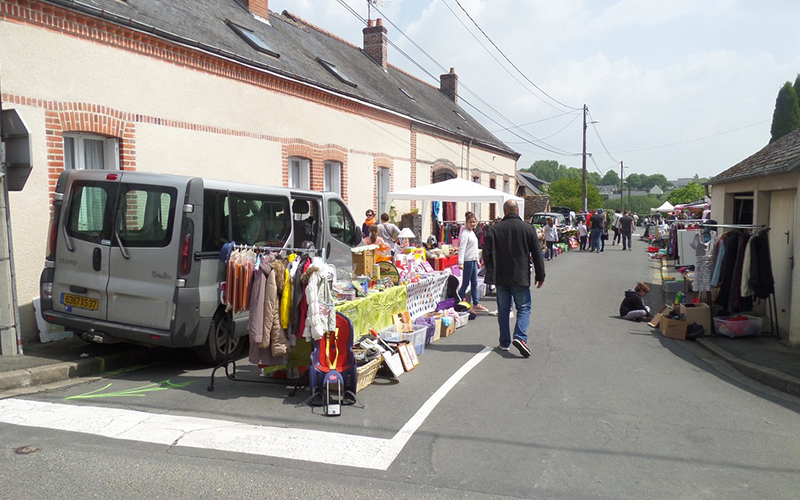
377,309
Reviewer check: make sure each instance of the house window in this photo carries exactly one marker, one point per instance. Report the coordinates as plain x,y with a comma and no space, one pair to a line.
506,186
743,208
300,173
333,177
336,72
476,207
252,39
90,152
383,182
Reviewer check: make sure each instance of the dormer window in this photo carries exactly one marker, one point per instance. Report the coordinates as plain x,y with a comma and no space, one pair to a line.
405,92
252,39
336,72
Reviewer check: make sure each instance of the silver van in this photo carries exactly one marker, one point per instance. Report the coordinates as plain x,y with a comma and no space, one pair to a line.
135,257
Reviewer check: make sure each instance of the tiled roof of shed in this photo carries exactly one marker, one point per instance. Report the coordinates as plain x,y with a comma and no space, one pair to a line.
202,23
781,156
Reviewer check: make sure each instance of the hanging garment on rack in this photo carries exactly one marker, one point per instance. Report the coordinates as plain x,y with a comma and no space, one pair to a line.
761,276
268,343
299,303
724,297
745,288
740,303
286,295
321,313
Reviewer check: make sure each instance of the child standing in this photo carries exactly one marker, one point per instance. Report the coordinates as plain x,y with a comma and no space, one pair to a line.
550,237
632,307
583,234
468,261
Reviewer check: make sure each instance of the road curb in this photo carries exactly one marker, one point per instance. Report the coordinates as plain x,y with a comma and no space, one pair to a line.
767,376
61,371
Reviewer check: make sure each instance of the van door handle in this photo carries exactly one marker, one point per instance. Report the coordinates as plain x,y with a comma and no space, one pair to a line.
97,259
328,251
122,249
78,289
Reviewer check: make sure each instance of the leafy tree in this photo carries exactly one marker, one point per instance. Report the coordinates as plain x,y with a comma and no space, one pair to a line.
786,116
690,192
544,169
593,178
656,180
611,178
567,192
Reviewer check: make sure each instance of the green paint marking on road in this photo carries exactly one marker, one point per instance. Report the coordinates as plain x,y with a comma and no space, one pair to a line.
135,392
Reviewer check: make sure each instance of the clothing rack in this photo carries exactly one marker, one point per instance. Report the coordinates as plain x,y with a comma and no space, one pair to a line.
772,306
230,364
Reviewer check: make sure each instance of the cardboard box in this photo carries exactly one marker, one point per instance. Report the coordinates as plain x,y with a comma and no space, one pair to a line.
697,313
669,327
446,331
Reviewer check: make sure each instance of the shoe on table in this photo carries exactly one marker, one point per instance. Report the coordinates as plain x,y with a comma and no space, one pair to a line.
503,348
522,347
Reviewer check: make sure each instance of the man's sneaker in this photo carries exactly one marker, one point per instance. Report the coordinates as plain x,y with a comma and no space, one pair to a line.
503,348
523,348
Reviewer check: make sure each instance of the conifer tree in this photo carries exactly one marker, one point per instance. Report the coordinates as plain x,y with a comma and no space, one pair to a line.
786,117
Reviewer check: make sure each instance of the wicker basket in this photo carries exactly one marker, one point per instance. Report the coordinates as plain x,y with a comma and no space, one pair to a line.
366,374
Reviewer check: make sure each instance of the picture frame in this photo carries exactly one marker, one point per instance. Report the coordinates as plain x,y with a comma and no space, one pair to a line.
408,364
412,353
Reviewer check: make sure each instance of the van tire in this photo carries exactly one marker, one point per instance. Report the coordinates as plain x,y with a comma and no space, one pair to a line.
219,346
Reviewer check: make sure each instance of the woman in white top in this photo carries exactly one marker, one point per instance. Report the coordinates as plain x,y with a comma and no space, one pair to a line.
550,237
468,261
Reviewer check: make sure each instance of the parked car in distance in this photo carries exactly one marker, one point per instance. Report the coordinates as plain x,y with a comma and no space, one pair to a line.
540,218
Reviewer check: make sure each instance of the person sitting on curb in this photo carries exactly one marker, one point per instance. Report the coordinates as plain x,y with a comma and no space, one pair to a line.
632,307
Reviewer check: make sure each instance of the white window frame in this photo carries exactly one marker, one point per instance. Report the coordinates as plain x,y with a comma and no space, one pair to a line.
507,187
299,172
78,160
476,207
383,183
333,176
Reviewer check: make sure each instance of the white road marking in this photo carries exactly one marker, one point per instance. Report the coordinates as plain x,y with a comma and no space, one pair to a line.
297,444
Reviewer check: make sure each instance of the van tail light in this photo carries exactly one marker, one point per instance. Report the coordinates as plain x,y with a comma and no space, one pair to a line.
185,264
53,234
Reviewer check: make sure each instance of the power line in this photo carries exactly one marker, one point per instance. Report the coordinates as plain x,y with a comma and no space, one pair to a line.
509,60
598,136
693,140
551,148
493,56
535,121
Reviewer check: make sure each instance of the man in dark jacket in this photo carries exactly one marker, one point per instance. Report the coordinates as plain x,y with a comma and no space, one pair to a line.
508,249
626,226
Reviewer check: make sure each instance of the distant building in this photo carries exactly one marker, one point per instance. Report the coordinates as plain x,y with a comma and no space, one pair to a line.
607,189
528,184
683,181
656,190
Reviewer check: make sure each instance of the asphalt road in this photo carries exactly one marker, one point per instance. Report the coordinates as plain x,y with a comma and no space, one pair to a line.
603,409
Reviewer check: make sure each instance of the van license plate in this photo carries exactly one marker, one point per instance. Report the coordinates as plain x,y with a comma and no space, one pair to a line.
70,300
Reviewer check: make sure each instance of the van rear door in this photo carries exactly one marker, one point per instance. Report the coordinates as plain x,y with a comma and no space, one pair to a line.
83,246
145,254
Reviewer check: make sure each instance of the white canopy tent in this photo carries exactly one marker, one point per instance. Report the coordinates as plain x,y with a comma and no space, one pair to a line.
665,207
452,190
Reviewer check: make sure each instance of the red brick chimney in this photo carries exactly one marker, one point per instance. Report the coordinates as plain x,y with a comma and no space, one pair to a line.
448,85
259,8
375,42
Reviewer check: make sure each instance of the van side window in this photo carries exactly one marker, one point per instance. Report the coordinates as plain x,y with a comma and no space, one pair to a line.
253,219
90,211
342,225
147,215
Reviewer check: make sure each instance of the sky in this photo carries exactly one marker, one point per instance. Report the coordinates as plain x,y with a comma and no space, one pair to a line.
679,87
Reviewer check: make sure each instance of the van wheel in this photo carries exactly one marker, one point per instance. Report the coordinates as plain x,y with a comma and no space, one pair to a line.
219,345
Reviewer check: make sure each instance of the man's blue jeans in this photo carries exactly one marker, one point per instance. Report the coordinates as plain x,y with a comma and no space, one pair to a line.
595,235
522,298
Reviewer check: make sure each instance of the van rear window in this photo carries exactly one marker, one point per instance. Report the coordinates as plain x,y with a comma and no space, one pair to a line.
147,215
90,211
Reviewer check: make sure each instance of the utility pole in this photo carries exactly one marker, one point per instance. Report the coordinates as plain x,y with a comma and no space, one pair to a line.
583,172
621,195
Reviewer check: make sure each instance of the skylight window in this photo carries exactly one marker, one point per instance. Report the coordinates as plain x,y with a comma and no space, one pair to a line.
459,115
404,91
336,72
254,40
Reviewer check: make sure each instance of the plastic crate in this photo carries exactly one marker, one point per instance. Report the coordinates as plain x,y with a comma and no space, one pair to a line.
673,286
742,328
416,336
462,319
